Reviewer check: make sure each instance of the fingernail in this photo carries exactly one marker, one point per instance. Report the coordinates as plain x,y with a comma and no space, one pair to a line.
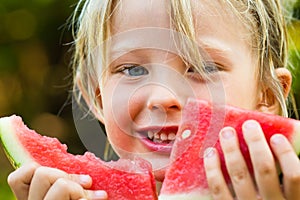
85,179
99,194
277,139
250,124
209,152
227,133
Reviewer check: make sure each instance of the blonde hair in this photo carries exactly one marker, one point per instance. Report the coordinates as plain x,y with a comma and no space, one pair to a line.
264,18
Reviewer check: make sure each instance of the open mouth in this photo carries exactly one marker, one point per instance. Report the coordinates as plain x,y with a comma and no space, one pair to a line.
160,139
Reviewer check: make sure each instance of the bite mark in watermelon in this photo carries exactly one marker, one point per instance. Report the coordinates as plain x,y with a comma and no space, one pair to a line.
122,179
201,123
185,179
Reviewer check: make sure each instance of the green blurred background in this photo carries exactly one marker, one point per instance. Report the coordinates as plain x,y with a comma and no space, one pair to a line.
35,76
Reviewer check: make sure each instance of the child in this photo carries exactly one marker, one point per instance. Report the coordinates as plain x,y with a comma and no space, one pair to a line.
137,62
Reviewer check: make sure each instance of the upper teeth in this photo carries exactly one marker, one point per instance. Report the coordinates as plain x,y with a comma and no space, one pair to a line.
161,136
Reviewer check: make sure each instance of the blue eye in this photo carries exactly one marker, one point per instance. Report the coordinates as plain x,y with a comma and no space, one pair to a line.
209,68
135,70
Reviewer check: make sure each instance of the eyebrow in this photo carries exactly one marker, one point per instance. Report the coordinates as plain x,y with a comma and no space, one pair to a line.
218,49
218,46
120,51
117,52
210,47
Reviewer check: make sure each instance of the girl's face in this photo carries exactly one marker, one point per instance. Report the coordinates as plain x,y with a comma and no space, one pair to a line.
148,84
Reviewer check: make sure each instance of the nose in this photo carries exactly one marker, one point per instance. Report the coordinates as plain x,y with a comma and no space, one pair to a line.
164,100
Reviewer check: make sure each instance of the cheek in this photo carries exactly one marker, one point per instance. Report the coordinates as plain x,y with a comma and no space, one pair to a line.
118,128
210,91
116,116
121,104
242,94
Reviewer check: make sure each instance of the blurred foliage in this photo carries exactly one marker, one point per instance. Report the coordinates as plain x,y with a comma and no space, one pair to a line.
294,62
35,77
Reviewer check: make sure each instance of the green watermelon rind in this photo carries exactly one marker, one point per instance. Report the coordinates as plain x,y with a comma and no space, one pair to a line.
12,129
16,155
296,138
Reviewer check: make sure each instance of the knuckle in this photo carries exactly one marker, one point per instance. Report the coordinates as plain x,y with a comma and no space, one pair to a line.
17,176
215,185
237,169
13,179
228,149
65,187
265,168
254,138
216,189
41,172
87,194
293,178
286,151
239,175
62,184
73,177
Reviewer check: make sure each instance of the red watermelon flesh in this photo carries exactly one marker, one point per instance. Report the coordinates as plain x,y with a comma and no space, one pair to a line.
122,179
200,127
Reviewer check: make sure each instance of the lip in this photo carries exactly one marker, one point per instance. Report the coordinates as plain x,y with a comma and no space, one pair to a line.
158,147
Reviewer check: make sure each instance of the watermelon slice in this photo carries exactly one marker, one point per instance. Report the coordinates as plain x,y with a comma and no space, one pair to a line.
133,179
122,179
201,124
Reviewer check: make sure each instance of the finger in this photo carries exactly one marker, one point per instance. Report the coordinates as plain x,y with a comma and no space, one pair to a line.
44,177
20,179
66,189
215,179
289,164
236,165
263,161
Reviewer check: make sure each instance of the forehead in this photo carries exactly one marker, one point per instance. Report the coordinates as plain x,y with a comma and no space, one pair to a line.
207,15
130,14
215,23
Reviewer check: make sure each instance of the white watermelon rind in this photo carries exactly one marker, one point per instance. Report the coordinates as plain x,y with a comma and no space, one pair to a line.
12,147
19,156
186,196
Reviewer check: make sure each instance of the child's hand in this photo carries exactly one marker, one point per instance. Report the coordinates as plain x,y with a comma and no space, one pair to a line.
266,176
34,182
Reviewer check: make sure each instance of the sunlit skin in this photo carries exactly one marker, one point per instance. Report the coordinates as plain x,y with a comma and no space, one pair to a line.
155,95
143,94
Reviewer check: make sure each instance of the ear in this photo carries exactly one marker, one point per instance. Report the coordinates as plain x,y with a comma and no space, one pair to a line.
267,101
285,78
87,100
